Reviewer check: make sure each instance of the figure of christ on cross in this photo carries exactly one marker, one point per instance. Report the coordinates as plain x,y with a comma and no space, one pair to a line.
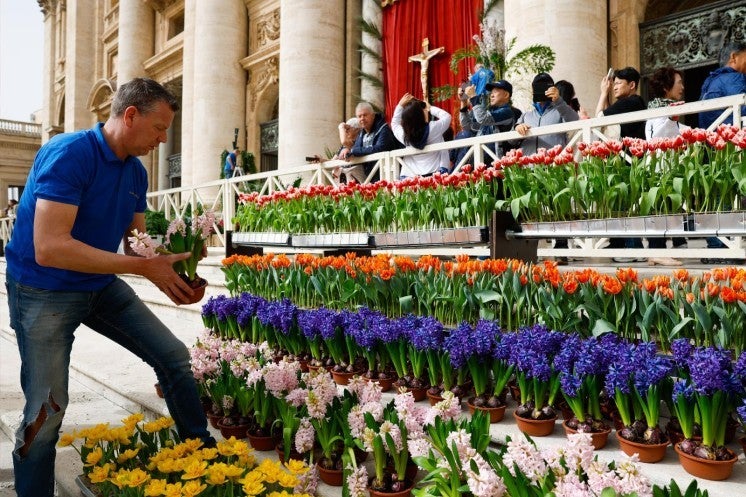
424,59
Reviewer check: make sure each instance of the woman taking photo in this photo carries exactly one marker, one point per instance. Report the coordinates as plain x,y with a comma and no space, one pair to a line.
412,125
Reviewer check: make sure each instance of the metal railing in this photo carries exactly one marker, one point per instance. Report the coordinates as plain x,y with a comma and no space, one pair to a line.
221,195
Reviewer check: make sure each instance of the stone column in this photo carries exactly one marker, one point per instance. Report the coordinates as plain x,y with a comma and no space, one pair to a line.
625,17
312,62
373,14
80,45
187,94
575,30
164,150
48,75
217,95
136,26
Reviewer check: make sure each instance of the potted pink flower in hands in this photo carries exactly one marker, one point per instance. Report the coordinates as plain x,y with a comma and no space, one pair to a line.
183,235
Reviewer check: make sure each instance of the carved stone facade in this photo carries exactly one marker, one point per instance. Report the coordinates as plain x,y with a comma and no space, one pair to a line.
692,39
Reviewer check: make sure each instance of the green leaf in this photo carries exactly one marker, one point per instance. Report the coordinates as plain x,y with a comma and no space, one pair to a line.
602,326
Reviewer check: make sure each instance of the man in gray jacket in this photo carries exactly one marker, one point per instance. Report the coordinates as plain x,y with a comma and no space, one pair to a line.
549,108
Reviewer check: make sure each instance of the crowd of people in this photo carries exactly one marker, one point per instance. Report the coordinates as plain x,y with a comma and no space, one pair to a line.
486,108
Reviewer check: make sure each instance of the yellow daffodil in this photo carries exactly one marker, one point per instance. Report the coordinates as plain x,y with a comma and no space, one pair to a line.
234,472
129,478
271,470
167,466
155,488
192,488
132,420
173,490
127,455
94,457
216,474
209,454
287,480
194,469
296,467
66,439
101,473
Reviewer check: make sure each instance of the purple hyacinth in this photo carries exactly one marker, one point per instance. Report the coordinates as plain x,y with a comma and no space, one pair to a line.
655,371
709,369
457,345
681,349
740,368
226,308
683,388
570,384
247,305
431,334
741,410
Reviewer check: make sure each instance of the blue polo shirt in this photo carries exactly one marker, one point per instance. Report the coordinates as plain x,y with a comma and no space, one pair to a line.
78,169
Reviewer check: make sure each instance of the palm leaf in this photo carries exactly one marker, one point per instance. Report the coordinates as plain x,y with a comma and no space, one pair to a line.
441,93
471,52
532,60
367,51
370,78
491,4
370,28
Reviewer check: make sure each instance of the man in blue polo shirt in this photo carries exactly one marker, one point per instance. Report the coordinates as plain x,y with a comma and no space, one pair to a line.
84,195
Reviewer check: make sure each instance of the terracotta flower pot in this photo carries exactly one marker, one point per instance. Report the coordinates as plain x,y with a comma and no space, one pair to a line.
496,413
418,393
598,438
262,443
214,419
705,468
332,477
342,377
648,453
433,398
535,427
228,431
386,383
402,493
198,285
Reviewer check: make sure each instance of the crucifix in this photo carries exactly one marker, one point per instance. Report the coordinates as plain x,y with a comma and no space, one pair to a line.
424,59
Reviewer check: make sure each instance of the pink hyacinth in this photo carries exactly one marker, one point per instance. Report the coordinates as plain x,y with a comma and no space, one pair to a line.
448,408
419,447
357,481
569,485
528,459
281,377
484,482
305,436
297,397
387,427
462,439
142,244
202,225
307,482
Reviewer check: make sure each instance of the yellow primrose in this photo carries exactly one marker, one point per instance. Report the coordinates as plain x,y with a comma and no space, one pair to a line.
66,439
129,478
100,474
216,474
296,467
271,470
233,471
194,469
173,490
127,455
286,480
155,488
192,444
151,427
252,487
132,420
192,488
209,454
167,466
94,457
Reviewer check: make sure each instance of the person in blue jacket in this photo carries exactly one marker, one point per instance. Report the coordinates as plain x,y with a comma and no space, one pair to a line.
375,136
728,79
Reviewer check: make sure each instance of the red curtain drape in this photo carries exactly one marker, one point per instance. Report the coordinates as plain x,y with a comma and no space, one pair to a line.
446,23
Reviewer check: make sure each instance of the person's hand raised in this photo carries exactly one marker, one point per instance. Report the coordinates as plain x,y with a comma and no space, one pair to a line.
405,99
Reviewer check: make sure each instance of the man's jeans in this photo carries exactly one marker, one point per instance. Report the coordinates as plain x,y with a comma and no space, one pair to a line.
45,322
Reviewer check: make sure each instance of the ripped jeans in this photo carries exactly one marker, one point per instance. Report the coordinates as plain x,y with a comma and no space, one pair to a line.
45,322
